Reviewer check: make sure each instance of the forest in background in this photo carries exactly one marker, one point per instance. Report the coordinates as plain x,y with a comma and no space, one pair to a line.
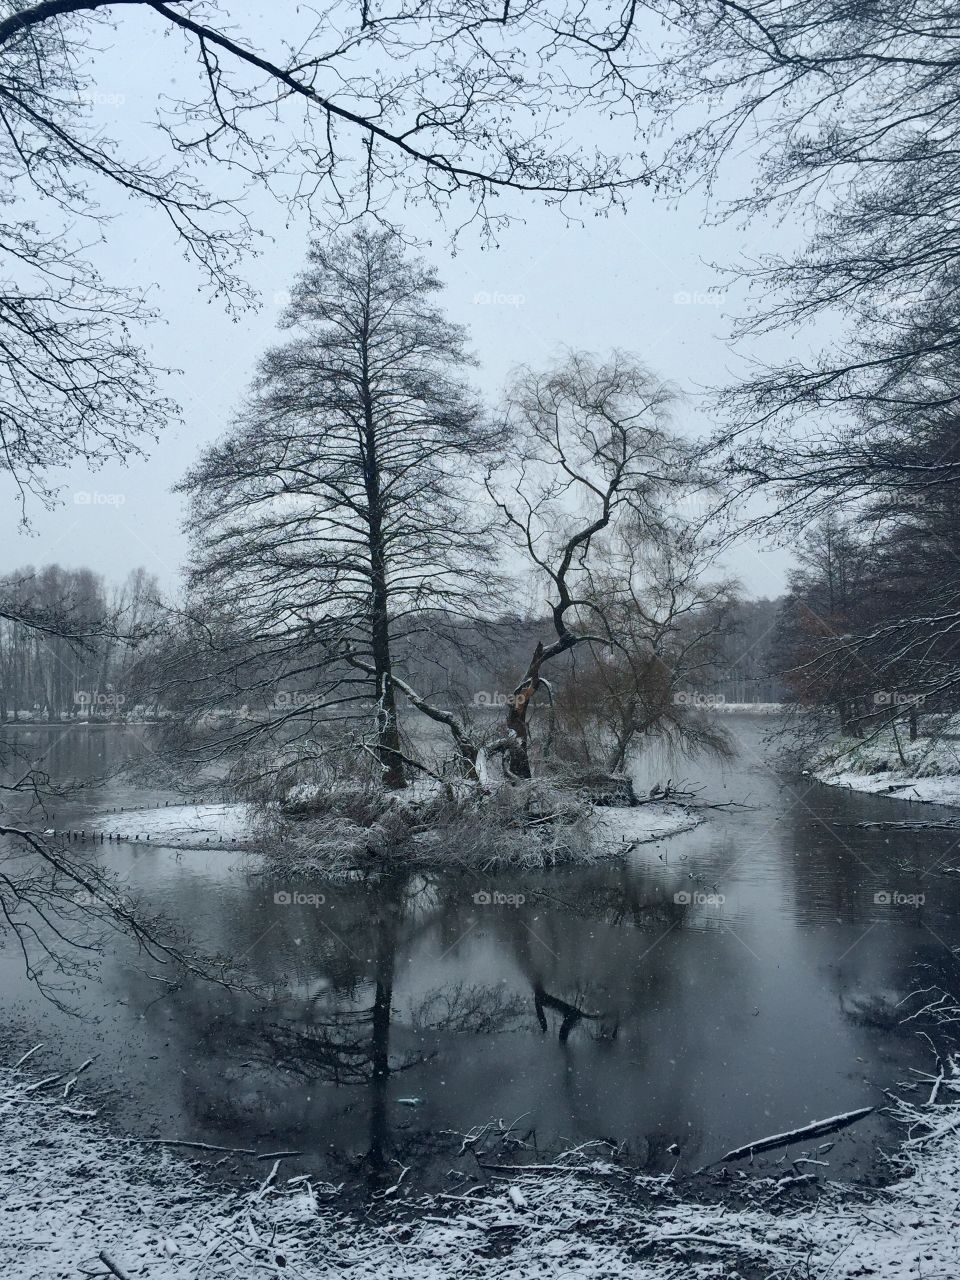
102,673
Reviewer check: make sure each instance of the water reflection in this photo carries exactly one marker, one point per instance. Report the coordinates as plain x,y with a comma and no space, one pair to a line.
624,1001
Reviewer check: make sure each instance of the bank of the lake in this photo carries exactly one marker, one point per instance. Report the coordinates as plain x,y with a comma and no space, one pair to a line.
678,998
888,763
78,1200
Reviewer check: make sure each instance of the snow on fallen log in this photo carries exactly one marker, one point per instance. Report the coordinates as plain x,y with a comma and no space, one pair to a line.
267,1182
113,1267
29,1054
516,1197
819,1129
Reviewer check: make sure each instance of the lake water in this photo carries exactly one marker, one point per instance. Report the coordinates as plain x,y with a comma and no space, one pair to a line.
600,1007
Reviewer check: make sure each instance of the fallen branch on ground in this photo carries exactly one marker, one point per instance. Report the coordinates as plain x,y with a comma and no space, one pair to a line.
113,1266
819,1129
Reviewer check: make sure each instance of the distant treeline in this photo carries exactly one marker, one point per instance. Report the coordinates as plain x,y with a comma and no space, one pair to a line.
101,672
71,644
749,662
744,662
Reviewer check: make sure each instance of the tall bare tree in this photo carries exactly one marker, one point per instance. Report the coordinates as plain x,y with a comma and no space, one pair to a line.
336,518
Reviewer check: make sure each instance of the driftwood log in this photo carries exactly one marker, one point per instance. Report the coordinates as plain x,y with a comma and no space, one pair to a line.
819,1129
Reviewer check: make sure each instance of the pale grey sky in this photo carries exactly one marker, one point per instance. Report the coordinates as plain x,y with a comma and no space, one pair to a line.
638,280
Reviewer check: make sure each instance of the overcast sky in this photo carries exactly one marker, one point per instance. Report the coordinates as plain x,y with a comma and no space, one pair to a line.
640,281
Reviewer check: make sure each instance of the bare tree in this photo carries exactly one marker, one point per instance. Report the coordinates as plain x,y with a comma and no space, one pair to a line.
336,519
590,449
851,117
851,120
872,622
663,609
438,104
450,106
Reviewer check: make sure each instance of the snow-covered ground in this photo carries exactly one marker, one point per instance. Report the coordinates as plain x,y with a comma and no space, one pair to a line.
181,826
895,783
78,1200
615,827
753,708
192,826
931,772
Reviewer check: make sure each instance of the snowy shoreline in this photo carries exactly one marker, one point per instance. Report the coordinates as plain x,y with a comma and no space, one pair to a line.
74,1195
180,826
894,785
614,827
931,774
199,826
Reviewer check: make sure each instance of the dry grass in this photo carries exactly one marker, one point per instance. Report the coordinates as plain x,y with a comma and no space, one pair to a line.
528,826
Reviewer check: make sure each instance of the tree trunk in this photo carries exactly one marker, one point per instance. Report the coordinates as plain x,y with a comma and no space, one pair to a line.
617,759
849,720
518,750
388,730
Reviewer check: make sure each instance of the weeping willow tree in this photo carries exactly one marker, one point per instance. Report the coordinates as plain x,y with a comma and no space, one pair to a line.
585,493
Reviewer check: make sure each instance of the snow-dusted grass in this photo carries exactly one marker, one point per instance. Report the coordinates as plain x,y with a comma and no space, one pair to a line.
527,827
181,826
420,825
931,772
71,1191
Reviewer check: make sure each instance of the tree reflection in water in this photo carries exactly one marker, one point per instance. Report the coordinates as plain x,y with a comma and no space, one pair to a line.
334,1021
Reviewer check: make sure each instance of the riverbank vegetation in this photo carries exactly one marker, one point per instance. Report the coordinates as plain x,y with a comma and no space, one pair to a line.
868,629
888,761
